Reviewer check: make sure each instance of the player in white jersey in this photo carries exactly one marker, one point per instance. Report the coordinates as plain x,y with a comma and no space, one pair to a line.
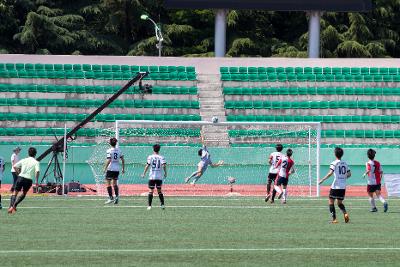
158,172
2,164
205,161
14,160
273,159
112,168
286,168
374,173
341,172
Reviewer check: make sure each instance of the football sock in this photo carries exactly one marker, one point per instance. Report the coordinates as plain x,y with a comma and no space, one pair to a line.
381,199
161,196
284,194
0,199
273,194
342,208
268,188
19,199
150,199
116,190
332,211
12,200
277,189
109,190
372,202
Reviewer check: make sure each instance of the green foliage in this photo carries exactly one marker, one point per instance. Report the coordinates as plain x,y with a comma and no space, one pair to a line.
114,27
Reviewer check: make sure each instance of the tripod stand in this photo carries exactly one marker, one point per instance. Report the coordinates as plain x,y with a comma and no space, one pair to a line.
53,167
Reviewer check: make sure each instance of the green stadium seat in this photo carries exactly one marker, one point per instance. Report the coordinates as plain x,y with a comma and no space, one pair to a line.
243,70
364,71
346,70
10,66
262,70
384,71
67,67
77,67
117,68
181,69
252,70
106,68
233,70
373,71
355,71
190,69
327,70
271,70
87,67
336,71
393,71
224,70
298,70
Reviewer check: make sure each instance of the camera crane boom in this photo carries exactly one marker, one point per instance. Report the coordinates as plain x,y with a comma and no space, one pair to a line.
57,147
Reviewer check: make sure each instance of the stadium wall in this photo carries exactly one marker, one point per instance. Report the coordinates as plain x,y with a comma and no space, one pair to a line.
79,170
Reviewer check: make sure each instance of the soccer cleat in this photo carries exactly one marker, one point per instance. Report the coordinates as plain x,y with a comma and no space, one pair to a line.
109,201
346,217
280,195
1,207
334,221
187,180
272,201
284,202
149,208
267,197
385,207
373,209
12,210
162,207
116,200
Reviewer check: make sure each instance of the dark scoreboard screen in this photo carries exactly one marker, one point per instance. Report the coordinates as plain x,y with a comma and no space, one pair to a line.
274,5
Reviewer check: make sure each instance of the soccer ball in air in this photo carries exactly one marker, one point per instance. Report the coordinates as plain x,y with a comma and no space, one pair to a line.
214,119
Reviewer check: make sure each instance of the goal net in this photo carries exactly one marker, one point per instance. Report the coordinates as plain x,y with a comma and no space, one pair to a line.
244,148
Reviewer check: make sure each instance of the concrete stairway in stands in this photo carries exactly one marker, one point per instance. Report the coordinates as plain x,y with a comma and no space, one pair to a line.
212,104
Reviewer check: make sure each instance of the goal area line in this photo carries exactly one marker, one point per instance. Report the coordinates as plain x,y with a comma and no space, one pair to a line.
173,250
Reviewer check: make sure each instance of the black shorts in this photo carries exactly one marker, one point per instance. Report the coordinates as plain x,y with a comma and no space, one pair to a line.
112,175
23,184
155,183
271,177
371,188
282,181
337,193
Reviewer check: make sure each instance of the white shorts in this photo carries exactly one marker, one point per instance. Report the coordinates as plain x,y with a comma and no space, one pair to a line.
203,165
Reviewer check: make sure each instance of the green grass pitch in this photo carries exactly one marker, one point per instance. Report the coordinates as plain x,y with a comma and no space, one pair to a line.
81,231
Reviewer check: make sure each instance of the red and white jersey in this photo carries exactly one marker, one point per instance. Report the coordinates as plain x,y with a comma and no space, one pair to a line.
285,165
374,170
274,158
340,170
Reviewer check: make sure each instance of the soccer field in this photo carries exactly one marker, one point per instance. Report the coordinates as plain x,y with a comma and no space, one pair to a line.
81,231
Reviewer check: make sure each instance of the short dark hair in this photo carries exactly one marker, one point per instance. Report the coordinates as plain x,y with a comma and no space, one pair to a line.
339,152
279,147
289,152
156,148
32,152
113,141
371,153
200,152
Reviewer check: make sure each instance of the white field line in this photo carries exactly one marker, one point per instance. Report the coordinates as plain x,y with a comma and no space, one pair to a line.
174,198
276,206
196,250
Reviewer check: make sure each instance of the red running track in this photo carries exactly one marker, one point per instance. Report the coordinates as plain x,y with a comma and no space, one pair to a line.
216,190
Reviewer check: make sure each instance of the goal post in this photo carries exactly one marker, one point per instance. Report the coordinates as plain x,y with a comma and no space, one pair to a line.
243,146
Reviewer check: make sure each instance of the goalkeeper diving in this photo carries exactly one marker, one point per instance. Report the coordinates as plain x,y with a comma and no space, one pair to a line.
205,161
